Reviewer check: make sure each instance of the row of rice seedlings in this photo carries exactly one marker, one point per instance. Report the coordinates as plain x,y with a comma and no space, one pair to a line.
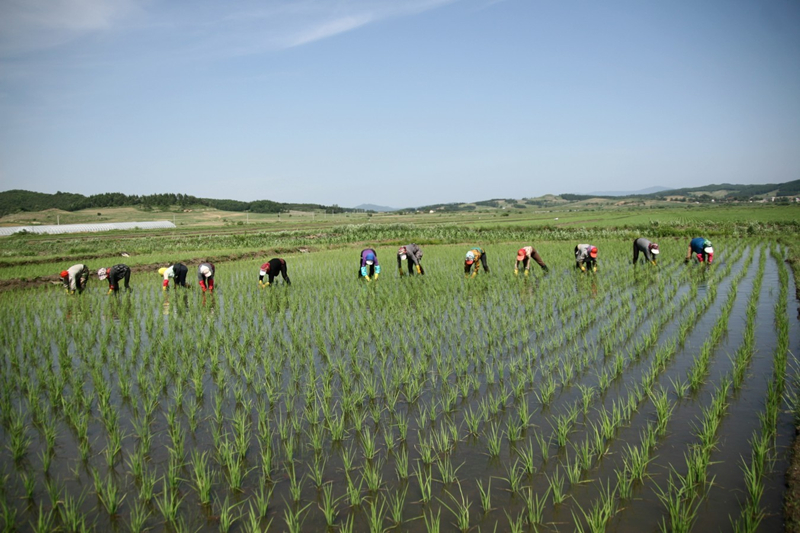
696,374
636,458
177,396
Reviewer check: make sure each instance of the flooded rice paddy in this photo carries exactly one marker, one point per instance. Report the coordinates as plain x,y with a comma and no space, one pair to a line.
633,399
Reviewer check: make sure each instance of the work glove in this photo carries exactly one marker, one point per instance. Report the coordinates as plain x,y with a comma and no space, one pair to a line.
583,268
516,271
419,270
686,260
375,277
110,291
474,274
401,271
261,284
67,291
594,269
653,262
164,288
527,272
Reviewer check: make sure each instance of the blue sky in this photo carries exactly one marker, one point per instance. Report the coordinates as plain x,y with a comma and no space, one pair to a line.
393,102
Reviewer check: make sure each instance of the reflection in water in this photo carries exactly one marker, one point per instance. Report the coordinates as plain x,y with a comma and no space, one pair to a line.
210,302
177,304
527,289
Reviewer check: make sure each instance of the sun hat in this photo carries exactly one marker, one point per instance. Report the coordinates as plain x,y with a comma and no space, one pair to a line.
162,271
204,270
708,250
593,251
403,257
521,253
654,249
370,259
470,257
102,273
64,274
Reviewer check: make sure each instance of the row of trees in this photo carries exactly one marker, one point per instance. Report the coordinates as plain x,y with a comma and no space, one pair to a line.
18,200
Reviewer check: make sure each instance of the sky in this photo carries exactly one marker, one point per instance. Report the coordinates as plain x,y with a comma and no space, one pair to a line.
396,102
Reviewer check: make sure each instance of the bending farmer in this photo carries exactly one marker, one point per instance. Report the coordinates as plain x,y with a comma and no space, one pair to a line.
369,264
649,249
413,254
702,247
205,275
177,272
272,269
75,278
115,274
474,258
524,256
586,257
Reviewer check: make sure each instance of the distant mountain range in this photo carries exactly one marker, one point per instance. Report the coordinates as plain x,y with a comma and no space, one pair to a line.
18,200
376,208
649,190
724,192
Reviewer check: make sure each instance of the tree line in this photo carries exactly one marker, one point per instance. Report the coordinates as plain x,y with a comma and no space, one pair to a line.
19,200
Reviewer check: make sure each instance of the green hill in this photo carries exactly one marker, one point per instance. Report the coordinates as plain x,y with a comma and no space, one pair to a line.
17,200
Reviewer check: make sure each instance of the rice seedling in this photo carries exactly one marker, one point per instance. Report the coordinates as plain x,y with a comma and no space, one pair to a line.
556,487
376,515
486,495
69,510
401,464
108,493
397,502
203,476
294,518
44,520
598,516
680,503
253,522
494,441
372,475
460,510
169,504
447,471
29,484
262,497
432,522
527,459
544,446
147,485
295,483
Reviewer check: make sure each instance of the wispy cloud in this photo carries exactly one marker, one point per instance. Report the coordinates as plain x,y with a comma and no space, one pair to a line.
233,27
326,29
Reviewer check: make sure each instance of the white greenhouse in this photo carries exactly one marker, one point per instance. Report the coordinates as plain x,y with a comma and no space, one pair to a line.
86,228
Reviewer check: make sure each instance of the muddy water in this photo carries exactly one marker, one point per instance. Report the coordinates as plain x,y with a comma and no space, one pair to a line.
469,454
